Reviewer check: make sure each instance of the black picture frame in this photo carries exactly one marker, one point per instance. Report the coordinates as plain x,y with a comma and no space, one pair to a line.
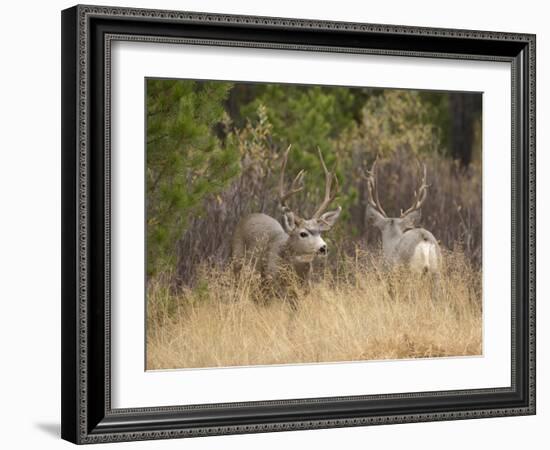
87,416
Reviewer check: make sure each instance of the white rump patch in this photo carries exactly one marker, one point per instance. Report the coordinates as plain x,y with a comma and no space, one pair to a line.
425,258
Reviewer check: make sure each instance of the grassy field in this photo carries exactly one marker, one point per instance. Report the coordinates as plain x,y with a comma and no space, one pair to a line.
354,311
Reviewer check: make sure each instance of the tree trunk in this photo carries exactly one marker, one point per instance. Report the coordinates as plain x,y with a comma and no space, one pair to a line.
464,109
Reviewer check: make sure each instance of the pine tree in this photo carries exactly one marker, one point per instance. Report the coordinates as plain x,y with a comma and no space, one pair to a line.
186,161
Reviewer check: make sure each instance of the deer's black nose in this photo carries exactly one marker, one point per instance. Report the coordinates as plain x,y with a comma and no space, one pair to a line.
323,250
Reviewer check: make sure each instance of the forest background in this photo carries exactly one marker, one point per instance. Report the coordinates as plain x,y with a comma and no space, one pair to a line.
213,155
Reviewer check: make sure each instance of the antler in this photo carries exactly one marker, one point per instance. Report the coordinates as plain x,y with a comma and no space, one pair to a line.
372,188
330,194
419,195
297,184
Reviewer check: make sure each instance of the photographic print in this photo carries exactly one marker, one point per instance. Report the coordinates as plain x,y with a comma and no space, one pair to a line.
294,224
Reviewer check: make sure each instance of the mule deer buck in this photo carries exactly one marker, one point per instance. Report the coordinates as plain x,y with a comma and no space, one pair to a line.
297,241
403,243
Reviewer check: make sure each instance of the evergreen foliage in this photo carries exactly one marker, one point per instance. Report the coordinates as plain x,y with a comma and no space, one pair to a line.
186,161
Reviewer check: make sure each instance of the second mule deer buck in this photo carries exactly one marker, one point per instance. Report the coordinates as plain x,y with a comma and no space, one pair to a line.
403,243
297,241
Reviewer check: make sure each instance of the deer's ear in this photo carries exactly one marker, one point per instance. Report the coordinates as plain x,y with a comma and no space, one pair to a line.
411,219
290,221
328,219
374,217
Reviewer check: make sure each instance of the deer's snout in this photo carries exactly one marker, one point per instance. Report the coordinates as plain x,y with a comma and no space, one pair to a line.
323,249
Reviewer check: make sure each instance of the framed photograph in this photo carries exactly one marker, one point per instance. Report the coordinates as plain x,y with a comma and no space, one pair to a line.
279,224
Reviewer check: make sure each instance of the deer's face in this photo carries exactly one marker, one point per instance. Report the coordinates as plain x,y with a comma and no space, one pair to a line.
305,235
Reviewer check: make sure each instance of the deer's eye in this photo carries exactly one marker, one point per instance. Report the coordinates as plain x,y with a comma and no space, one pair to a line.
303,234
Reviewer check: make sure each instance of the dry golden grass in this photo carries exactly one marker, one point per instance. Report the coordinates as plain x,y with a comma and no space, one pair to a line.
354,312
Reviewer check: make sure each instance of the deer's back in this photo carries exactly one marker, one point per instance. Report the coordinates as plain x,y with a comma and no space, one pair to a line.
258,229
